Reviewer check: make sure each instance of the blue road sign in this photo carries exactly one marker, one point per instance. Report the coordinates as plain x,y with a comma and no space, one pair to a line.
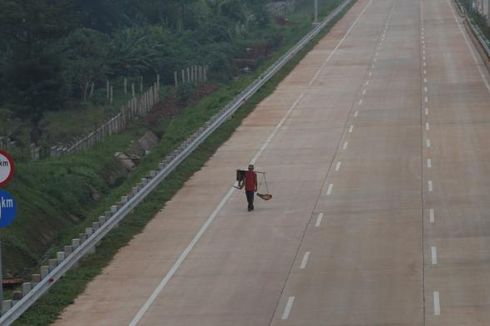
8,208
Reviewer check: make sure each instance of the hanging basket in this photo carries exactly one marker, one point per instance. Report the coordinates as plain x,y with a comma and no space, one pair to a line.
264,196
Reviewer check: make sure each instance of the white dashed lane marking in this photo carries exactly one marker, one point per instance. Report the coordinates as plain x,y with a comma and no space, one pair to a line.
434,255
330,189
319,220
437,304
432,217
304,262
287,308
337,168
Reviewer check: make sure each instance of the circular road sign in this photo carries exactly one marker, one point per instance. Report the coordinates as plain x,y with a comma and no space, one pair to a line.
6,168
8,208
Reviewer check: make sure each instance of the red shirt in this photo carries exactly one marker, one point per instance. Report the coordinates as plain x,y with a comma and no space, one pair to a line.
250,181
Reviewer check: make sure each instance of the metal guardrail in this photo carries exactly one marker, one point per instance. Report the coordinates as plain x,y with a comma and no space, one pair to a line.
165,168
485,43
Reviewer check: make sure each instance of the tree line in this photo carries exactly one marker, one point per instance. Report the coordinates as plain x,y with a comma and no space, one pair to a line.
52,51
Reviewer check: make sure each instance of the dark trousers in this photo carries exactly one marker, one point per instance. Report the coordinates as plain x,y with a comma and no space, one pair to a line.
250,199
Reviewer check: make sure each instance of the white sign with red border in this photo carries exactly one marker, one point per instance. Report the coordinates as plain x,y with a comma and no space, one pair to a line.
7,168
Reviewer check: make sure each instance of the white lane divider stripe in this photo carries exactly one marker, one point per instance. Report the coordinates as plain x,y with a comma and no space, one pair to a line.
437,303
356,114
360,101
337,168
364,92
354,24
319,220
351,128
431,187
304,262
426,89
426,111
428,143
429,163
434,255
346,144
287,308
425,72
432,217
426,99
330,189
427,126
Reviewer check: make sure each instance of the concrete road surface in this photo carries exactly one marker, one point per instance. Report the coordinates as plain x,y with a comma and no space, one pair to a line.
377,153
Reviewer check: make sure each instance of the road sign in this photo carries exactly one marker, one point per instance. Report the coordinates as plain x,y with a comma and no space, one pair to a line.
6,168
8,208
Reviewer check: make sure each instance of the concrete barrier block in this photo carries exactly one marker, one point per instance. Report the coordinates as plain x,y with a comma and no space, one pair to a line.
89,231
36,278
135,190
52,263
153,174
68,250
6,305
60,256
26,288
82,237
124,199
162,166
102,220
144,181
108,214
44,271
95,225
113,209
75,243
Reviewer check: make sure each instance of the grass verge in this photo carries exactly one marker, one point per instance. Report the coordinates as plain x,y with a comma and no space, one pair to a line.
64,292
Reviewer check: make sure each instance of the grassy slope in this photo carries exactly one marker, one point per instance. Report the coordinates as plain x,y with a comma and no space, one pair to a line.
65,291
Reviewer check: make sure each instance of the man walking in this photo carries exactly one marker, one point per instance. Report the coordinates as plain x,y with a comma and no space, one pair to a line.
250,181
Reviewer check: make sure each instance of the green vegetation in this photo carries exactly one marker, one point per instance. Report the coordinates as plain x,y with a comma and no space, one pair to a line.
67,289
479,19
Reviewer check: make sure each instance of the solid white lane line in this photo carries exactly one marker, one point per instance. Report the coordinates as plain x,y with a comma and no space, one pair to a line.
276,129
427,126
431,187
141,312
437,304
429,163
354,24
427,142
356,114
431,216
337,168
287,308
304,262
345,145
434,255
319,220
330,189
351,128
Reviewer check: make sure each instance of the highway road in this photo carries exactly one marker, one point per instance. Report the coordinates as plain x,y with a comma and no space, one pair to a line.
377,153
